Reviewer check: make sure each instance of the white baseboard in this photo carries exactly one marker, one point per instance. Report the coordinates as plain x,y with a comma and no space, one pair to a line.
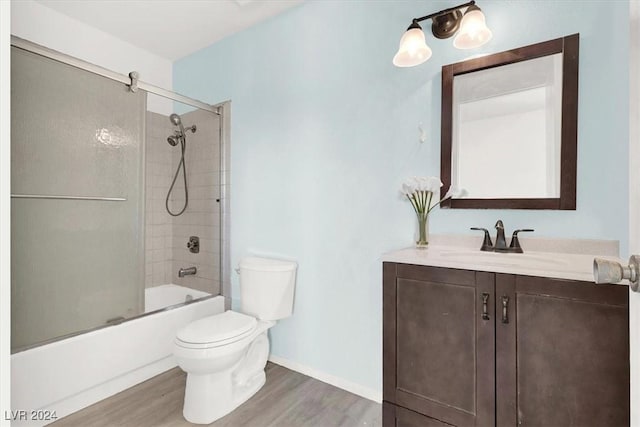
360,390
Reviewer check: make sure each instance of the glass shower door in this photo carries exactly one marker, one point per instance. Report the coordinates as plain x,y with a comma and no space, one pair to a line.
77,200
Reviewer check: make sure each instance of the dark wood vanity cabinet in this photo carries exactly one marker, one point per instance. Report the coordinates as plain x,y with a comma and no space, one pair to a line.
468,348
439,357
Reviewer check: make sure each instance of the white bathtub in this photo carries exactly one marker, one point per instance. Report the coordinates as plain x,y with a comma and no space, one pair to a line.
167,295
68,375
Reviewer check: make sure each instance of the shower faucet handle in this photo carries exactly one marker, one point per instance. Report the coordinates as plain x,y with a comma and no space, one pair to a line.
194,244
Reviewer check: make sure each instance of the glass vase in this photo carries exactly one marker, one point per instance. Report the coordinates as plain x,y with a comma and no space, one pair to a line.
423,231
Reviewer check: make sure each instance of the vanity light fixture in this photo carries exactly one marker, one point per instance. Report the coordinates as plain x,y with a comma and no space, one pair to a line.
469,28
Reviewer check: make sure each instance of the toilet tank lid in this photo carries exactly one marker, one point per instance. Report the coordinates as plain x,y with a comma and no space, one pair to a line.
266,264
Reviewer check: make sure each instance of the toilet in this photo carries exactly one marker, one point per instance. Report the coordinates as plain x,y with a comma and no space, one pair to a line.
224,355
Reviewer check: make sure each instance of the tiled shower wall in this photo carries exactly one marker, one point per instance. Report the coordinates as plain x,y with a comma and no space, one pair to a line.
167,236
202,217
158,236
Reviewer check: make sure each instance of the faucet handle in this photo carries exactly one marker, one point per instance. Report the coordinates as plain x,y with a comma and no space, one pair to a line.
487,244
515,243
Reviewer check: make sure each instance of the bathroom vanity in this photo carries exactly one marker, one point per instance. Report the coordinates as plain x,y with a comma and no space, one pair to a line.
487,339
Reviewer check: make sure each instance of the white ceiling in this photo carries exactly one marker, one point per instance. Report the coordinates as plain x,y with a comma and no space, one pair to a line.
170,28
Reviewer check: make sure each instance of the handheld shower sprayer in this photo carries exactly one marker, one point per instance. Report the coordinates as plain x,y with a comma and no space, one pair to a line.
179,136
177,121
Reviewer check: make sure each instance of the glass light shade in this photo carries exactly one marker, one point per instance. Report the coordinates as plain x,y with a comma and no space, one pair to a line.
413,49
473,30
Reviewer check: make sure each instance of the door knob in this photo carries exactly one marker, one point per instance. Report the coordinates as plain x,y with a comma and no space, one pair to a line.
605,271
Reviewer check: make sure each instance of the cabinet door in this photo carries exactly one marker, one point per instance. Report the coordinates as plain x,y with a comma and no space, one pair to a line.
439,352
563,356
397,416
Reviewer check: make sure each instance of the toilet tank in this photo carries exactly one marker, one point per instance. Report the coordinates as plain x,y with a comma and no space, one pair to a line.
266,287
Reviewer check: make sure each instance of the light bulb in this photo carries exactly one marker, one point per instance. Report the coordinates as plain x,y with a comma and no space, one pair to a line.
473,30
413,49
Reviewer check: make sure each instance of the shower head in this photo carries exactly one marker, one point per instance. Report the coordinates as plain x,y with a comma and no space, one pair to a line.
179,134
175,119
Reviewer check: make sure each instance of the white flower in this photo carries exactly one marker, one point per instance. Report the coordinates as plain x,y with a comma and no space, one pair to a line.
421,190
455,192
433,184
421,183
408,188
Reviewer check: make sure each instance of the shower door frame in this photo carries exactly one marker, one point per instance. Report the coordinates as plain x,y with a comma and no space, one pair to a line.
221,109
104,72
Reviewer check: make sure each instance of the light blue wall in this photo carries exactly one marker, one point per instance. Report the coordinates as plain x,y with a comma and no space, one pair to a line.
324,130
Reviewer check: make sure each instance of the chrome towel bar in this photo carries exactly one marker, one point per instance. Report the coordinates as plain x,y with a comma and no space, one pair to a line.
46,196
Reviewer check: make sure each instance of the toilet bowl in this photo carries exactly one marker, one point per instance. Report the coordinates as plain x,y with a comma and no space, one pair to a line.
224,355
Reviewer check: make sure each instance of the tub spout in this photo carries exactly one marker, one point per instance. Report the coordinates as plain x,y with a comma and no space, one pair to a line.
187,271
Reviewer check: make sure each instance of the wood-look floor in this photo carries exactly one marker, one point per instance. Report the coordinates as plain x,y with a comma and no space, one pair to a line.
288,399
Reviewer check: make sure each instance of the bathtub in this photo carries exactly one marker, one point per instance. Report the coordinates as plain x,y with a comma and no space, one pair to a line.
160,297
65,376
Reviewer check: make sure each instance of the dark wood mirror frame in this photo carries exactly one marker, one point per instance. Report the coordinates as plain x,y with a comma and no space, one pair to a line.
569,47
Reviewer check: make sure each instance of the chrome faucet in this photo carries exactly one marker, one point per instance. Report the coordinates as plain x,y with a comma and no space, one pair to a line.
187,271
501,242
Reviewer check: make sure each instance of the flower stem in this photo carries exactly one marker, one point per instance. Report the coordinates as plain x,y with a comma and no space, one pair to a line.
414,202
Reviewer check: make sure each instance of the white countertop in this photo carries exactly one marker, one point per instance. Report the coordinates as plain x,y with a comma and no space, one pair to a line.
560,265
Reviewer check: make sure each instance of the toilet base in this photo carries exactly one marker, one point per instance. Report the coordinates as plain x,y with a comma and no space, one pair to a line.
195,412
212,396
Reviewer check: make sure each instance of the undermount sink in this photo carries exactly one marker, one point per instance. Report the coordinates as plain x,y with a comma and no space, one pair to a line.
501,258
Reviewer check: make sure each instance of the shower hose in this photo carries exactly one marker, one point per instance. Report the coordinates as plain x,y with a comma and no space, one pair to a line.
175,177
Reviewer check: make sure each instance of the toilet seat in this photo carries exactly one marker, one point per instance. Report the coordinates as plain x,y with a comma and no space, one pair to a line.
215,331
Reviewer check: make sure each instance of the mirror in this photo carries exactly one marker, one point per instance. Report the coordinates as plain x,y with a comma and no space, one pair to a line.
509,128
